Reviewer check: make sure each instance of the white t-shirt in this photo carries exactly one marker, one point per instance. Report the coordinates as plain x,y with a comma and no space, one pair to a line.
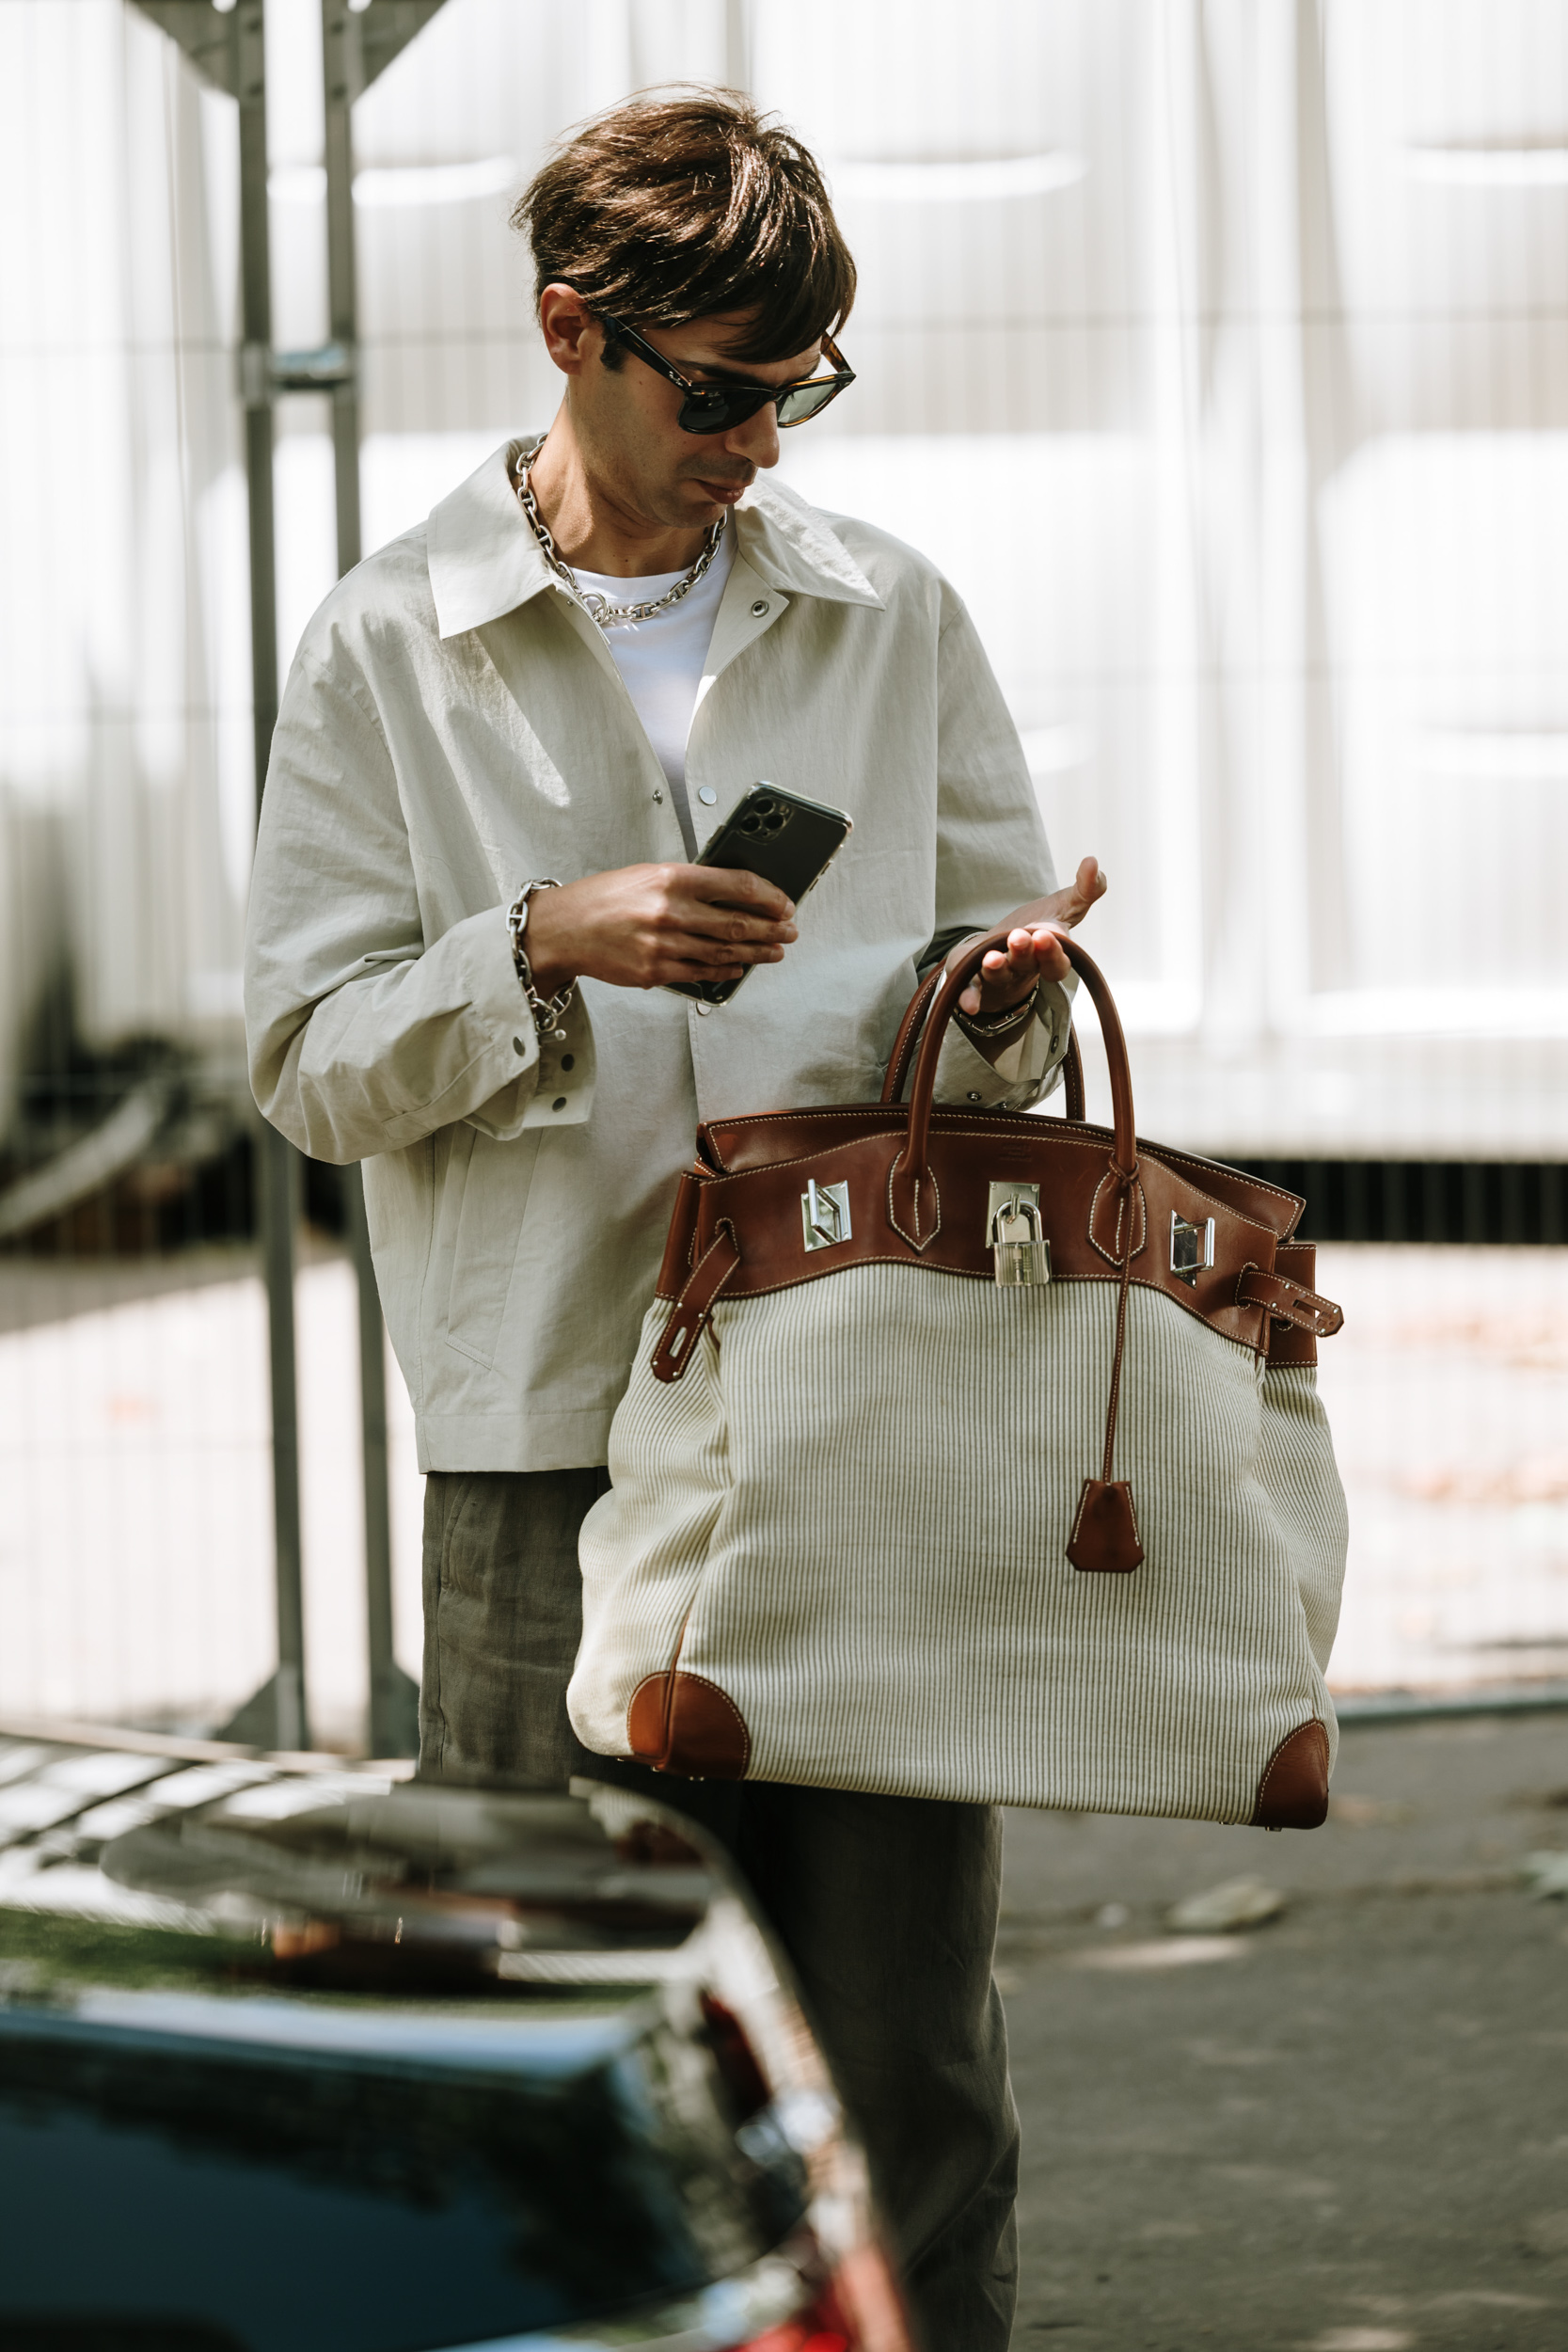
661,663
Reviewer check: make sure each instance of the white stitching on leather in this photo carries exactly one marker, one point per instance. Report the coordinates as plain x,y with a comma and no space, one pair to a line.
1132,1505
1092,1138
893,1215
745,1730
1313,1722
1109,1177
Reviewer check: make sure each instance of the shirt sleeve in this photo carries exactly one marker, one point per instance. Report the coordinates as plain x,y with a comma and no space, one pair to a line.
365,1035
991,855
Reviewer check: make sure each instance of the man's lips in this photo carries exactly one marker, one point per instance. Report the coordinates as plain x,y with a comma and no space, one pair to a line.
723,493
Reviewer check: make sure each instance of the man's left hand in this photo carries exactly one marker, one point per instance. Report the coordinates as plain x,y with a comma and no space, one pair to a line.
1034,951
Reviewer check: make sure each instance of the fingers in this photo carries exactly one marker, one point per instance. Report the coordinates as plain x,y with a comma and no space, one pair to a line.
1033,953
748,915
1030,954
715,954
644,926
1087,888
1067,907
723,886
1090,882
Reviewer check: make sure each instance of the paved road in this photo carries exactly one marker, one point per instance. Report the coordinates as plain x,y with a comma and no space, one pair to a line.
1346,2131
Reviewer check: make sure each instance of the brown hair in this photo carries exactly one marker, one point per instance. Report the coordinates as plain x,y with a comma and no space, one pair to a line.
672,208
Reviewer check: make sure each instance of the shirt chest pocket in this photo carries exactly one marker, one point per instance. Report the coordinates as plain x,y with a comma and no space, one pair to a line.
482,1200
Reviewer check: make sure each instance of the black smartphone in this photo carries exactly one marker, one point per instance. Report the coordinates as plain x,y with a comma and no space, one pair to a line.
790,841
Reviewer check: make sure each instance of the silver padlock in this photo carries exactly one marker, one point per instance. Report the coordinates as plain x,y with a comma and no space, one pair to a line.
1019,1251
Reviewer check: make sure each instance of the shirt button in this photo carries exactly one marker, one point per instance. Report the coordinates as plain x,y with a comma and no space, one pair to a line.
706,794
760,607
974,1094
559,1102
566,1061
517,1046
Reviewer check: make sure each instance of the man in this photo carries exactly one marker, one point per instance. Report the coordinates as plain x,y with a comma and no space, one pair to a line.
503,740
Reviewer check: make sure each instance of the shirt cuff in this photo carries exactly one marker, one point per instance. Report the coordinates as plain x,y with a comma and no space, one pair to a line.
1025,1072
553,1085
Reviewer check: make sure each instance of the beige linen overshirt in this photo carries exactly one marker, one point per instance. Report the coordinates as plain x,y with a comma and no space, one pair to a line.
453,726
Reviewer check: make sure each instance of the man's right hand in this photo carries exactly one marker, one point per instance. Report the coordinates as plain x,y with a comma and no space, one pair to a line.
644,926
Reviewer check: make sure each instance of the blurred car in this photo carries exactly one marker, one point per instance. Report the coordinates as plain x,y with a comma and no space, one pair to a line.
298,2056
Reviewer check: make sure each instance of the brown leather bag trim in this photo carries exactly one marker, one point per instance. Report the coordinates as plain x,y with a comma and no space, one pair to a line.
761,1204
1105,1540
708,1734
1114,1185
1195,1172
913,1187
1294,1790
1287,1347
1288,1302
684,1724
648,1721
693,1308
1227,1188
1033,1131
676,1263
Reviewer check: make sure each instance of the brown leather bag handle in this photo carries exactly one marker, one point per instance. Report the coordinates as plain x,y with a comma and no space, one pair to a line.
1072,1080
914,1209
909,1035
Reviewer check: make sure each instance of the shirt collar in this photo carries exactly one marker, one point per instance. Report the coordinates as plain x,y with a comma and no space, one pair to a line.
484,561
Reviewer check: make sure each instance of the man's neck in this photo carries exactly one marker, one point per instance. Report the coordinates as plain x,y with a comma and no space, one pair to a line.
596,530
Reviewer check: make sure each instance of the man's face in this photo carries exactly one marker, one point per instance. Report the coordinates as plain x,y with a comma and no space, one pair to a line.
625,421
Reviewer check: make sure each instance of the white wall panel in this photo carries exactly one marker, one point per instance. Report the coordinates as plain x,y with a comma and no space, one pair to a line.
1218,347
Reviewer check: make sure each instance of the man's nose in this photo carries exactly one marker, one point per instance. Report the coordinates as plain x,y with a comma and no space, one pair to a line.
757,439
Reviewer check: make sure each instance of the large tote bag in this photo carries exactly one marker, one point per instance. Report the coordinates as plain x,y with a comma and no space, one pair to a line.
974,1455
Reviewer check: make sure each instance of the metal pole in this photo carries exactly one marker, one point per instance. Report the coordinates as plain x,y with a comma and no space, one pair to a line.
226,45
393,1725
344,79
276,1716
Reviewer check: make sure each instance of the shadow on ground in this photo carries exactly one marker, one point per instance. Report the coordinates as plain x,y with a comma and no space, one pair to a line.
1346,2131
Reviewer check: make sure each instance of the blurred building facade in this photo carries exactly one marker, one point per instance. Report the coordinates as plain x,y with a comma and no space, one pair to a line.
1218,351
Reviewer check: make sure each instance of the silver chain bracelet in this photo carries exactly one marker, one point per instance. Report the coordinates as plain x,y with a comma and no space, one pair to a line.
1013,1018
548,1013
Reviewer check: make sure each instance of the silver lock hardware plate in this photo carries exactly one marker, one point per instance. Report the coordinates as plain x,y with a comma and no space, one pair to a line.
1019,1251
825,1215
1192,1248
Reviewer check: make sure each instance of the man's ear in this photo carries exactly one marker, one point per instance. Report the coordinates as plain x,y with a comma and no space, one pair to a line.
573,337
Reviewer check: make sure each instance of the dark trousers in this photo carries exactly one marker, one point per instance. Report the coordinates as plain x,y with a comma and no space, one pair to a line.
887,1906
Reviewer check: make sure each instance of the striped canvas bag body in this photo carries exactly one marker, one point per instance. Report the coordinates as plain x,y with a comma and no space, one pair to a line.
974,1455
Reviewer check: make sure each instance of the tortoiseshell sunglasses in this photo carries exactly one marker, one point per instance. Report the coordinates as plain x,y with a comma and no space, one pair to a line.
715,407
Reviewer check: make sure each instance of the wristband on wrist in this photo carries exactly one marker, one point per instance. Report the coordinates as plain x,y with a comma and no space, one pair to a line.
1013,1018
548,1013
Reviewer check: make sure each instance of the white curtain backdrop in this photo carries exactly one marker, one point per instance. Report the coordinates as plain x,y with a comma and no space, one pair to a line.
1216,347
126,797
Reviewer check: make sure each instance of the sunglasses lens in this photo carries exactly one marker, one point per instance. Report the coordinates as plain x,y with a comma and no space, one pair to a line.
716,412
806,400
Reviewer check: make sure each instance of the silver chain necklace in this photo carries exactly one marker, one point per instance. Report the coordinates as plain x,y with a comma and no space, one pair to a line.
599,608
